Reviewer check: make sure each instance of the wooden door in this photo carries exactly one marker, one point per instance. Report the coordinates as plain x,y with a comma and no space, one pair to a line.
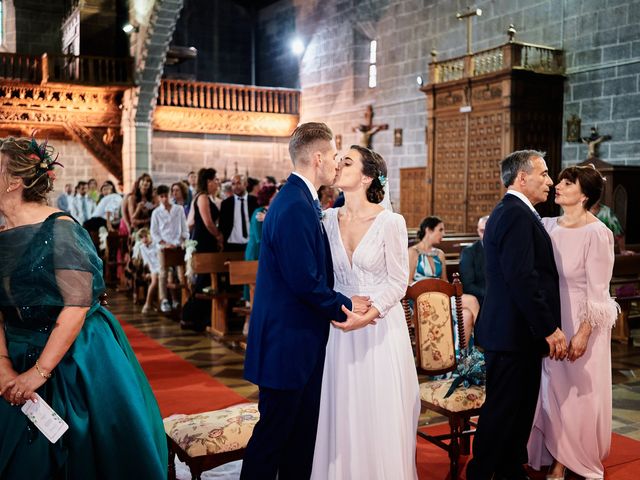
413,195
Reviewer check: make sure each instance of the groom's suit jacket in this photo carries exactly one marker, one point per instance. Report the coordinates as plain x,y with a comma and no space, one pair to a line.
522,302
294,301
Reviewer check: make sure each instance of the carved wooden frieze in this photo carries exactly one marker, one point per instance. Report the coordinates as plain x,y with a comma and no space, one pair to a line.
200,120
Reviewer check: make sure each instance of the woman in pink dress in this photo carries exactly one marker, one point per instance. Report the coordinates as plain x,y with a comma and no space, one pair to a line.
572,426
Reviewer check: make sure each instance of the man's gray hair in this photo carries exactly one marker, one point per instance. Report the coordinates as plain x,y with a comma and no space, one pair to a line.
519,161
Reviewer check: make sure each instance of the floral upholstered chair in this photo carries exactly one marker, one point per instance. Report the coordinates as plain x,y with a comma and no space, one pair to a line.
435,353
206,440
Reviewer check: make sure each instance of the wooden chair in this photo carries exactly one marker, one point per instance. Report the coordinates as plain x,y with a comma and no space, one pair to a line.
214,264
435,353
625,287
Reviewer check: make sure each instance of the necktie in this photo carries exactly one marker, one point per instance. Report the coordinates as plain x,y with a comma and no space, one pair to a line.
243,219
85,213
318,207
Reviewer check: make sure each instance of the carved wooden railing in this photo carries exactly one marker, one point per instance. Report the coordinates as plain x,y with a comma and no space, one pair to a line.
67,69
220,96
512,55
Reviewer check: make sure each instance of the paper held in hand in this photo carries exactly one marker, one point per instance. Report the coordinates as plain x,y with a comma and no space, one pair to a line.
45,419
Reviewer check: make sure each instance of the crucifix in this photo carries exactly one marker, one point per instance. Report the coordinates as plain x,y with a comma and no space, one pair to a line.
368,130
469,14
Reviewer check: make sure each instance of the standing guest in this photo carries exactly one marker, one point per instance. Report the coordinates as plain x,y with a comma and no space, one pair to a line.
206,213
66,197
472,265
192,185
140,203
268,181
82,206
92,190
107,213
235,213
58,342
293,305
520,316
327,195
147,251
180,196
572,427
226,191
265,197
253,185
169,231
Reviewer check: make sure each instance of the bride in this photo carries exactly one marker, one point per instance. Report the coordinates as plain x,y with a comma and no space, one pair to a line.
370,400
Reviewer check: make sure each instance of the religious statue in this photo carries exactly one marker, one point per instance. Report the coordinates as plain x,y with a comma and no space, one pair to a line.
368,130
593,141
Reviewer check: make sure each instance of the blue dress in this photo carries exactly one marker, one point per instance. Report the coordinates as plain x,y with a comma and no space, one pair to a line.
98,388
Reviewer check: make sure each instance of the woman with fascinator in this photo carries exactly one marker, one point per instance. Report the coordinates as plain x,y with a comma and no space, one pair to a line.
370,401
57,342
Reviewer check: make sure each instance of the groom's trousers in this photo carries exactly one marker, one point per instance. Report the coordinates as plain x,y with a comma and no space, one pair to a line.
284,438
506,418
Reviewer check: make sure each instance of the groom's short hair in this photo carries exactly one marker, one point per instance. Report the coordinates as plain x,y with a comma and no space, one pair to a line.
304,137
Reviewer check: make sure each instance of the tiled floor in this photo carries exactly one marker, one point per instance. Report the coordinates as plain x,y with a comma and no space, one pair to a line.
224,362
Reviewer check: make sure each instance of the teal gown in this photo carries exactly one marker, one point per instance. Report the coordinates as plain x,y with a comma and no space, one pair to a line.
98,388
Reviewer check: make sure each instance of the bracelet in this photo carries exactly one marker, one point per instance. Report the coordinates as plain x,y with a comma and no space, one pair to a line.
41,372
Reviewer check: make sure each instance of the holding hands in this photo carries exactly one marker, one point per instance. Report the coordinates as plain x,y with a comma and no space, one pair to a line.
361,315
557,345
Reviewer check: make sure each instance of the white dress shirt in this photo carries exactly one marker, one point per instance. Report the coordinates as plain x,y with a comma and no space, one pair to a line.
109,204
82,208
169,226
236,232
524,198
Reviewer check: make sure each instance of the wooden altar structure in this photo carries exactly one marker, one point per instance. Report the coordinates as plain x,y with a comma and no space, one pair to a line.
480,107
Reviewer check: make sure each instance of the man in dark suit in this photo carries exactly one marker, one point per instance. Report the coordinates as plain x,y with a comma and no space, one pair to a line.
519,321
235,215
472,265
293,305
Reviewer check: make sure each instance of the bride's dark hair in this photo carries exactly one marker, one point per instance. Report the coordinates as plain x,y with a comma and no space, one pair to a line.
374,166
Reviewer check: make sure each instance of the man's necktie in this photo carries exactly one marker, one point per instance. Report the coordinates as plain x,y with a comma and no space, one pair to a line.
243,219
537,216
318,207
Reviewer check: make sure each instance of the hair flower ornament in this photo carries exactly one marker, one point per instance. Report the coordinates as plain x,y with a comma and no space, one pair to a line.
382,179
42,154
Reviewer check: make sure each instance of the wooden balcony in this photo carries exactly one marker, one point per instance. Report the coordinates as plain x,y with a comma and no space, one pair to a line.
66,69
202,107
510,56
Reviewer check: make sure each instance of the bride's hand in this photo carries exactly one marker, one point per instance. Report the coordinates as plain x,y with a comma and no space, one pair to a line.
360,304
355,321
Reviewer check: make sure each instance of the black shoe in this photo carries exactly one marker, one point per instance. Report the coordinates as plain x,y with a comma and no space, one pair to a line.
517,474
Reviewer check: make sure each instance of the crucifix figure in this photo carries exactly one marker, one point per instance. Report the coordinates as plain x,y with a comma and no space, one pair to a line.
368,130
593,141
469,14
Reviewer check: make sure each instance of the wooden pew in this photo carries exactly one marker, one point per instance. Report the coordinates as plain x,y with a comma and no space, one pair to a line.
625,286
115,243
244,273
213,264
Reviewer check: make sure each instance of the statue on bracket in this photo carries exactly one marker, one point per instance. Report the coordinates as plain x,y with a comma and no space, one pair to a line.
593,141
368,129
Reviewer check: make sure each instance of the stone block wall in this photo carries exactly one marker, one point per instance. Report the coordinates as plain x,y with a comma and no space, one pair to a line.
37,26
175,154
601,39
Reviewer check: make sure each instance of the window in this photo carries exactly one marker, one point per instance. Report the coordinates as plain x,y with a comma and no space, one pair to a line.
373,70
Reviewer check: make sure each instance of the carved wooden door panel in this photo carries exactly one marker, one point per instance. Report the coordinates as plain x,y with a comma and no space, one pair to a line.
413,195
449,171
483,167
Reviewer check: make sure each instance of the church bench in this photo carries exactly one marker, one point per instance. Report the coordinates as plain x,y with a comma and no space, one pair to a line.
244,273
625,286
215,264
207,440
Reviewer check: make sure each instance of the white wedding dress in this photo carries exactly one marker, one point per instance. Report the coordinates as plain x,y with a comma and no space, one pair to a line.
370,399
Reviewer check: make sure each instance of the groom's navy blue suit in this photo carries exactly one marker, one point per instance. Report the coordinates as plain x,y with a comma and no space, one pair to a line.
293,305
521,308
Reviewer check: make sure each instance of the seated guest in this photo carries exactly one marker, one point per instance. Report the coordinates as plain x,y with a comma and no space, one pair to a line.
427,261
472,265
146,251
107,213
169,231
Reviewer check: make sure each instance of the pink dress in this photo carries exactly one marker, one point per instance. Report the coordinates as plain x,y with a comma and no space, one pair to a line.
573,417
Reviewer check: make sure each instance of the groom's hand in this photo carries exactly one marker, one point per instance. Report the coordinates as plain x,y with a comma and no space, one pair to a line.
557,345
355,321
360,304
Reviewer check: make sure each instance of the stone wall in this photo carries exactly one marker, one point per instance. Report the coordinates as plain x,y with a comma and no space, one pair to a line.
601,40
37,26
175,154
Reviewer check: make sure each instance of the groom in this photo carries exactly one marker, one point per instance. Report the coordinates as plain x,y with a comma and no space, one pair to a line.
519,320
294,303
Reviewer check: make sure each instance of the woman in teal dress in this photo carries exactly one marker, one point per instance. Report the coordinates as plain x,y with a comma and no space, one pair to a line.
57,341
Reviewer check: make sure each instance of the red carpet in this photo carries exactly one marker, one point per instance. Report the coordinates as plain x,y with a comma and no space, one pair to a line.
178,386
623,462
182,388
